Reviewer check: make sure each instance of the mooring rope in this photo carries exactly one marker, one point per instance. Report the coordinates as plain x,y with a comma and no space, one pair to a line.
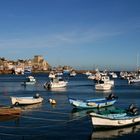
55,112
28,127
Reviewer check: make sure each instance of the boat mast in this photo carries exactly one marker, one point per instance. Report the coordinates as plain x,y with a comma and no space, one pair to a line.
137,62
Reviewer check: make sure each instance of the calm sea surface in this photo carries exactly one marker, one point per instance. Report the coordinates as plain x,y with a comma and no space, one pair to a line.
61,122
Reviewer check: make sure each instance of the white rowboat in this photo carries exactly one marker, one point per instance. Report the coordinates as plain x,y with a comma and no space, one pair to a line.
26,100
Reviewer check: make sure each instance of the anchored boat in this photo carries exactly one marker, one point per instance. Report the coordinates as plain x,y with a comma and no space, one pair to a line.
116,118
94,103
26,100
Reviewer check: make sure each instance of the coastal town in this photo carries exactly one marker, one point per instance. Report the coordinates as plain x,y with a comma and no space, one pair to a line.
36,64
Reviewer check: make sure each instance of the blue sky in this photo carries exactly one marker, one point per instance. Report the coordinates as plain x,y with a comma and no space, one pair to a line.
84,34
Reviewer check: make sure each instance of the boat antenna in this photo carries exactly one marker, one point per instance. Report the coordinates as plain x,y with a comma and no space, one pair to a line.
137,62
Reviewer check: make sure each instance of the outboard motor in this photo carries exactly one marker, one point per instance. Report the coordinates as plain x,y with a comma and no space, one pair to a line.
133,110
48,86
111,96
36,95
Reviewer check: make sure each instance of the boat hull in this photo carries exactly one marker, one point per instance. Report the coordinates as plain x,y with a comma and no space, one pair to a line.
124,120
95,103
4,111
25,100
55,85
103,86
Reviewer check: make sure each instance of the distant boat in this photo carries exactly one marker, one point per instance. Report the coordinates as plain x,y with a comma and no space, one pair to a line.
103,86
93,103
56,82
113,75
26,100
27,70
115,118
52,74
88,73
135,79
92,77
30,81
107,80
66,71
72,73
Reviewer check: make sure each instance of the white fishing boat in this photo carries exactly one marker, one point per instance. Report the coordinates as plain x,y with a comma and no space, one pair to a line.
88,73
30,80
136,79
116,118
73,73
113,75
92,77
27,70
107,80
26,100
103,86
52,74
56,82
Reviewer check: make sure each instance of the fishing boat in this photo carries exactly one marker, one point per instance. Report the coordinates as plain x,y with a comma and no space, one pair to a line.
116,118
56,82
27,70
52,74
103,86
26,100
4,111
107,80
136,79
30,80
94,103
72,73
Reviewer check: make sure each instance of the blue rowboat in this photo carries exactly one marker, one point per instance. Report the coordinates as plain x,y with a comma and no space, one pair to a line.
93,103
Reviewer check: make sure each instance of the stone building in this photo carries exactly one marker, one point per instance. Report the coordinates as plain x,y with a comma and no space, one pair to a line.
38,63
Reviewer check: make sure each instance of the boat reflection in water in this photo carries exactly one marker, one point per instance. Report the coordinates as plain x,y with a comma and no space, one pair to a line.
62,89
114,133
31,107
84,112
5,118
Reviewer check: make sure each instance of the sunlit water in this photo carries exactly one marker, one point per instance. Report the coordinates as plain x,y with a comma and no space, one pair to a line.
44,121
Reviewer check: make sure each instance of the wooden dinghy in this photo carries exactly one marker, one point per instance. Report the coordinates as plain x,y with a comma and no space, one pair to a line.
4,111
94,103
116,118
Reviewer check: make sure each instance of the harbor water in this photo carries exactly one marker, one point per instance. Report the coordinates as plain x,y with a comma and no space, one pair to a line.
60,121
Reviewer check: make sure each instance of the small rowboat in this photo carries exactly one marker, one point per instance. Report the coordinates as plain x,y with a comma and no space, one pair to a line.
4,111
93,103
26,100
115,118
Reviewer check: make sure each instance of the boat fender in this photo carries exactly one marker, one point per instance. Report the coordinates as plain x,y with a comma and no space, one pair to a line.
52,101
36,95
